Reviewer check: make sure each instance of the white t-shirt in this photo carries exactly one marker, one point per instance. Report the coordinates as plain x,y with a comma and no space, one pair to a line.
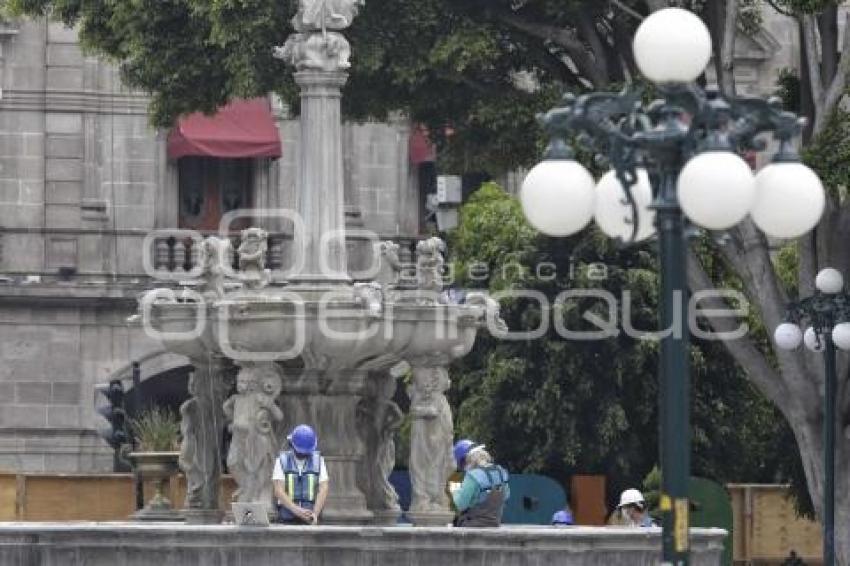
277,474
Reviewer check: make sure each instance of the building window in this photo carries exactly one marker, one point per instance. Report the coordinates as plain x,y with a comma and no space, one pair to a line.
211,187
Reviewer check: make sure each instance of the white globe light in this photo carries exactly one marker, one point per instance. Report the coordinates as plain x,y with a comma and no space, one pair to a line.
672,46
558,196
614,215
811,340
716,189
841,335
789,200
788,336
829,281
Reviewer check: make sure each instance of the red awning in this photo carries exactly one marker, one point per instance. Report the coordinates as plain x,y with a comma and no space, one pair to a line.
421,149
243,128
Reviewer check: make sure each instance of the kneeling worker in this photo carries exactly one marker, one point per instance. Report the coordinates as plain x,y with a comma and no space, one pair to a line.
480,498
300,479
633,509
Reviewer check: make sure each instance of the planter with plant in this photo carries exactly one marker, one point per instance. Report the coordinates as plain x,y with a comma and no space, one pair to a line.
156,432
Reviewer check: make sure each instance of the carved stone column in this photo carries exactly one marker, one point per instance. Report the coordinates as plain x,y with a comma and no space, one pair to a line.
327,401
431,433
378,419
202,426
254,416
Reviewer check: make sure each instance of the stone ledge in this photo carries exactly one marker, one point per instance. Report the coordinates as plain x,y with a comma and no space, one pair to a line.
102,544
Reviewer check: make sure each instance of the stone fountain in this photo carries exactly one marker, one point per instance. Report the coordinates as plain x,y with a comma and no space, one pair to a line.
311,345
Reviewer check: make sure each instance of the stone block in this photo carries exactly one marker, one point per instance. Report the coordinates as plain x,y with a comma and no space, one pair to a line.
62,251
64,192
58,32
64,169
22,121
25,76
134,217
63,417
22,344
33,144
62,463
32,393
64,55
65,394
32,191
65,78
10,191
7,392
64,123
132,194
24,416
20,167
62,216
17,246
22,463
59,145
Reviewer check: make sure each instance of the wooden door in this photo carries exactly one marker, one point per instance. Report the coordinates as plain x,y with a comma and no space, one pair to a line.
211,187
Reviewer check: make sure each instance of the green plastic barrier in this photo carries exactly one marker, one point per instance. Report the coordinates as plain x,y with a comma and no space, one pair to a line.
711,506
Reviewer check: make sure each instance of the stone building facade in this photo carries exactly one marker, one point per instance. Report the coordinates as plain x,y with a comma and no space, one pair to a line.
84,180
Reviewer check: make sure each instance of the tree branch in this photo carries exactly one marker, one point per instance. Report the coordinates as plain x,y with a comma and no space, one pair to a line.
837,87
628,10
564,38
742,350
587,25
810,40
727,50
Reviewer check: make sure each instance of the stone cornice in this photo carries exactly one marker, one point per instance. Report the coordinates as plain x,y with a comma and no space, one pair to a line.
74,101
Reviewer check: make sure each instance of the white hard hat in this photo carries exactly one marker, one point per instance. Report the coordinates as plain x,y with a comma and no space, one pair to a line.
631,497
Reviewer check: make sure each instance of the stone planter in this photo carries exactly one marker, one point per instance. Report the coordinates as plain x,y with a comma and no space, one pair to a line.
157,467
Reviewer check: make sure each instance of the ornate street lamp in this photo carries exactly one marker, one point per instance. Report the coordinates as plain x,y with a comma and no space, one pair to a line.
827,314
674,160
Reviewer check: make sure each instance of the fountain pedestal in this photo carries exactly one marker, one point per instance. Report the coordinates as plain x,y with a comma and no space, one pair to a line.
328,401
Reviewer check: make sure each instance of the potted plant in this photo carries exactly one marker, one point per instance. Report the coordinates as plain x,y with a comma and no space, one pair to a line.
156,432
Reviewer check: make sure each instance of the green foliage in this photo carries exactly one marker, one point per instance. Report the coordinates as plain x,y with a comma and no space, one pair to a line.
561,407
156,430
829,154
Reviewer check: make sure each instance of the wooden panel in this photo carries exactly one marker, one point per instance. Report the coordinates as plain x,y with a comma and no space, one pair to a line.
8,497
78,498
588,499
767,528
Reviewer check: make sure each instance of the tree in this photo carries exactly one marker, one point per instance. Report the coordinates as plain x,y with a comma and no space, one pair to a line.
559,407
485,67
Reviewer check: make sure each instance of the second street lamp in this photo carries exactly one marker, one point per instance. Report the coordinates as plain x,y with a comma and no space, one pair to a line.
674,160
827,313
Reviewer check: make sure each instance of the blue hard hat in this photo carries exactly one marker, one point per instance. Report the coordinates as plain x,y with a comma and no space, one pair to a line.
461,449
303,439
563,517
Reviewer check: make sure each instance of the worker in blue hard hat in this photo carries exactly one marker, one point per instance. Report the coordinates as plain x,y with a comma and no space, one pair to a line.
480,498
564,517
300,478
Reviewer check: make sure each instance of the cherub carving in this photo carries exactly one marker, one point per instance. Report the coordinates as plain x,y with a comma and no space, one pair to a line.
252,258
214,256
429,265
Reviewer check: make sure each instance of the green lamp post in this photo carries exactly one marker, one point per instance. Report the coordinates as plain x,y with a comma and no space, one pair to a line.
827,313
673,161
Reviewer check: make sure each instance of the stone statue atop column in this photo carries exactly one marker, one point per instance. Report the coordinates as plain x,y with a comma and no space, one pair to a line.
253,414
317,45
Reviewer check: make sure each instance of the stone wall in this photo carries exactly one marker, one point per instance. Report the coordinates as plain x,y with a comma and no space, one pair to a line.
166,545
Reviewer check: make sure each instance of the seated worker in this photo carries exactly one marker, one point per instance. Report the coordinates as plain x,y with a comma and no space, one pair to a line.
480,498
633,509
564,517
300,479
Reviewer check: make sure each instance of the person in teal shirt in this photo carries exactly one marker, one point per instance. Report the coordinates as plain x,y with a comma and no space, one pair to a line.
480,498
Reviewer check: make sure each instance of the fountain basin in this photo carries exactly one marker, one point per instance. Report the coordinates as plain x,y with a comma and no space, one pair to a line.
107,544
